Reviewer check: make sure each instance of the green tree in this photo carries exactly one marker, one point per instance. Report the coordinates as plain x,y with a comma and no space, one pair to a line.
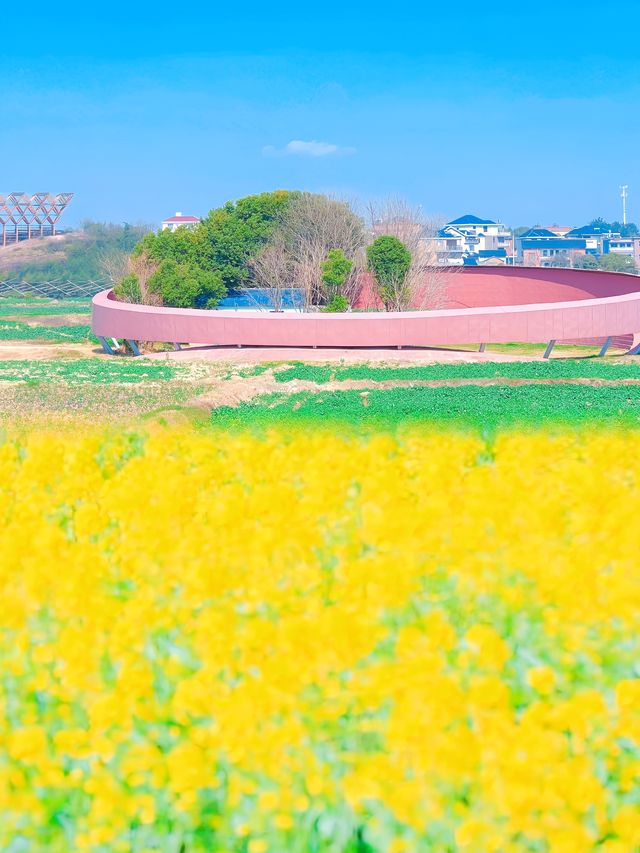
183,245
586,262
234,234
128,289
630,229
185,285
336,269
389,260
227,239
617,263
337,305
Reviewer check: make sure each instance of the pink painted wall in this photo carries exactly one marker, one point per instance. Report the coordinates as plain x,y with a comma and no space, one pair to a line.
475,287
603,304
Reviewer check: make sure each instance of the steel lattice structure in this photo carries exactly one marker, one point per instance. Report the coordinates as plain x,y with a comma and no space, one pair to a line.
23,217
54,289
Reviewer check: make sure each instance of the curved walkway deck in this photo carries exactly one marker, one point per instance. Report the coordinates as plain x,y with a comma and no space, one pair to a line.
584,318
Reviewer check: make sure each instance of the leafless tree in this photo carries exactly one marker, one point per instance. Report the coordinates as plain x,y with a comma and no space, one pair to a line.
427,280
272,269
114,264
311,227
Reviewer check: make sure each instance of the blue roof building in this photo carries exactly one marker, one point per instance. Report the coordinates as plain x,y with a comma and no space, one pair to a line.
467,238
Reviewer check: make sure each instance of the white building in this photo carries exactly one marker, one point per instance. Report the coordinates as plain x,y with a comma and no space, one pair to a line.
621,246
470,239
179,221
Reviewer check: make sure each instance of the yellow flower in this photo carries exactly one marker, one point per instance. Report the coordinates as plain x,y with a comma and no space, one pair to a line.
542,679
283,821
241,635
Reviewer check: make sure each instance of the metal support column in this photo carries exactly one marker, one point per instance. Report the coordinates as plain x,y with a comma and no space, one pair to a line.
482,347
605,346
106,346
177,347
549,349
134,347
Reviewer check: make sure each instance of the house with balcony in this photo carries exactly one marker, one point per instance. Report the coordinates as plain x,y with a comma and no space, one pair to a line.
467,239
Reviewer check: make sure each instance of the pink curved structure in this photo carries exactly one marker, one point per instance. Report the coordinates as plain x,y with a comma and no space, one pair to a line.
484,305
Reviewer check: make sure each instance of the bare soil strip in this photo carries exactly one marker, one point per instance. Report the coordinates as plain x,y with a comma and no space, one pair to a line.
42,350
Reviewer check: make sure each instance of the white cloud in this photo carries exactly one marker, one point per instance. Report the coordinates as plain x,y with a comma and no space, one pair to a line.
310,148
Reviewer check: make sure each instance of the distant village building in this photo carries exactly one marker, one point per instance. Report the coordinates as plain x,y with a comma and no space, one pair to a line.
541,247
558,230
472,240
554,246
596,239
179,221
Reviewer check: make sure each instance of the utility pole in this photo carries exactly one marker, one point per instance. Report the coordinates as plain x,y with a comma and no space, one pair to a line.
624,194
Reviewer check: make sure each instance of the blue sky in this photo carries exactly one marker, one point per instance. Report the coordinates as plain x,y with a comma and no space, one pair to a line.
527,114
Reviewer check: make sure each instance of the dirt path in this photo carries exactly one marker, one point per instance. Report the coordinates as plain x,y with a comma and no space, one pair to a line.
35,320
37,350
248,356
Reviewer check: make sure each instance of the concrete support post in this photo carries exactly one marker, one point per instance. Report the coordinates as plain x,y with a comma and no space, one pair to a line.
177,347
105,345
605,346
134,347
482,347
549,349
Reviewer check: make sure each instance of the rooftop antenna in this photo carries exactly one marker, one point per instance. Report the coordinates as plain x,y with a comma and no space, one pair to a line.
624,194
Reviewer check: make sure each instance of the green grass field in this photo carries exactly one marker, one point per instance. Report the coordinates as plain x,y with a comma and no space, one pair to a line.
557,369
93,371
26,320
10,307
18,331
482,408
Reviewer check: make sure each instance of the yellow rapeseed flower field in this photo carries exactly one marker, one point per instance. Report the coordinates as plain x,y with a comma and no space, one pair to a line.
313,642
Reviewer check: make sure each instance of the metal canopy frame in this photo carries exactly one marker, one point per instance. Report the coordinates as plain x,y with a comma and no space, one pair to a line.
23,217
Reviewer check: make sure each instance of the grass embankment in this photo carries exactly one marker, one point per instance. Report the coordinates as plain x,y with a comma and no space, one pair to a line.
467,407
